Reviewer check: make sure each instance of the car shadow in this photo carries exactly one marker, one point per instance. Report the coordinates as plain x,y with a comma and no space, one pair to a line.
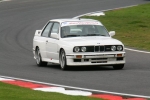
82,68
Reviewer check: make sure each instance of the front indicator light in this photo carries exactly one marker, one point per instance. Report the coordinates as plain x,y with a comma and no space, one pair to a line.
79,56
119,55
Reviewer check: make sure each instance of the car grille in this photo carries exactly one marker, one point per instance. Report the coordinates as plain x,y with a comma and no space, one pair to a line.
98,48
99,59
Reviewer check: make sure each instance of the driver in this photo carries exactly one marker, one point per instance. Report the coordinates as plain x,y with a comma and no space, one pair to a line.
65,31
91,30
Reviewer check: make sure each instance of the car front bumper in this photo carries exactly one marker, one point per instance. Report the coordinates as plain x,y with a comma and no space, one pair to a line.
82,59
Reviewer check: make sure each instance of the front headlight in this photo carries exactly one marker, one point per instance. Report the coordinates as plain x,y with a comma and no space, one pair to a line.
119,48
113,48
76,49
83,49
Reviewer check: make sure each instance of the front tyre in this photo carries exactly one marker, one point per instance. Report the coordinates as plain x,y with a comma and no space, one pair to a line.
62,60
39,61
119,66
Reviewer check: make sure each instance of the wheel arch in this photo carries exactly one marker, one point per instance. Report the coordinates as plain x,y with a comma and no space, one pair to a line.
36,48
60,50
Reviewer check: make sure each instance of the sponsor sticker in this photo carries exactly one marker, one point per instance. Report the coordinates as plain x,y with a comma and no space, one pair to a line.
81,23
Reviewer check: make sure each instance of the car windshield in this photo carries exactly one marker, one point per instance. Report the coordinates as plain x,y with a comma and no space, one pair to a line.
83,30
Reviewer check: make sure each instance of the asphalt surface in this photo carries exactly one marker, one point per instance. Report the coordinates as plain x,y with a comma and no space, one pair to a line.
20,18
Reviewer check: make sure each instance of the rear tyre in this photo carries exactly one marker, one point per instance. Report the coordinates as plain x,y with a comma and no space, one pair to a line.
39,61
62,60
119,66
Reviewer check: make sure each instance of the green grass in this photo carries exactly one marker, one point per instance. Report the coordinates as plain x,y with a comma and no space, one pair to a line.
132,25
11,92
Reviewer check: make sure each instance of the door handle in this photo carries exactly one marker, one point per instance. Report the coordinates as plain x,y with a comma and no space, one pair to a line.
46,41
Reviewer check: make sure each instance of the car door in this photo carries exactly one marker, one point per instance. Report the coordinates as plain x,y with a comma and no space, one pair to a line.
52,43
43,39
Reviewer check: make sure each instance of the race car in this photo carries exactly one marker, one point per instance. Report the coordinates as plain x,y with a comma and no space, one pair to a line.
77,42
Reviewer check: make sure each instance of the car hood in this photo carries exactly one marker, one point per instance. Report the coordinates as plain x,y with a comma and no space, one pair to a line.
80,41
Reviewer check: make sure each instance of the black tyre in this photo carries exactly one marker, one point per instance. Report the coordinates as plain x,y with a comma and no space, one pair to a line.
62,60
119,66
39,61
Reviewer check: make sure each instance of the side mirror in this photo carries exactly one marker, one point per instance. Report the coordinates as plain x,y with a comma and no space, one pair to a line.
54,35
38,32
112,33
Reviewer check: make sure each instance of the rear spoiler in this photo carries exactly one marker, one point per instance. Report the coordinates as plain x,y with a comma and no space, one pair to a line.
38,32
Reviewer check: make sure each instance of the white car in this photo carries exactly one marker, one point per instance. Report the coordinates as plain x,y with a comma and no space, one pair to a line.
77,42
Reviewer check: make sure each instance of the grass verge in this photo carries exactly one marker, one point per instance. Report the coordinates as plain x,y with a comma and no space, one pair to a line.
132,25
11,92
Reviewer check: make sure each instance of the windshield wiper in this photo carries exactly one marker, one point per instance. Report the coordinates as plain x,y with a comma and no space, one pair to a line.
94,35
73,35
91,34
101,35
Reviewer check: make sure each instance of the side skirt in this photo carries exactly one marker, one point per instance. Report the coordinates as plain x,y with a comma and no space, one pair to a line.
50,60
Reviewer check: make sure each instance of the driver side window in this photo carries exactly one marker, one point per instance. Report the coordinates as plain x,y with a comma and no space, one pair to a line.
47,30
55,28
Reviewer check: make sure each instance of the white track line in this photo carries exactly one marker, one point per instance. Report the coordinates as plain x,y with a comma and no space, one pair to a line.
103,11
64,91
120,8
71,87
109,10
88,14
137,50
4,0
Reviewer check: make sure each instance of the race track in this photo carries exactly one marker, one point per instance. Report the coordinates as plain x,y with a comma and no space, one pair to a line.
20,18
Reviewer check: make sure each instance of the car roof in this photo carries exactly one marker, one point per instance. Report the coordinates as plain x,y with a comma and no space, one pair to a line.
72,19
